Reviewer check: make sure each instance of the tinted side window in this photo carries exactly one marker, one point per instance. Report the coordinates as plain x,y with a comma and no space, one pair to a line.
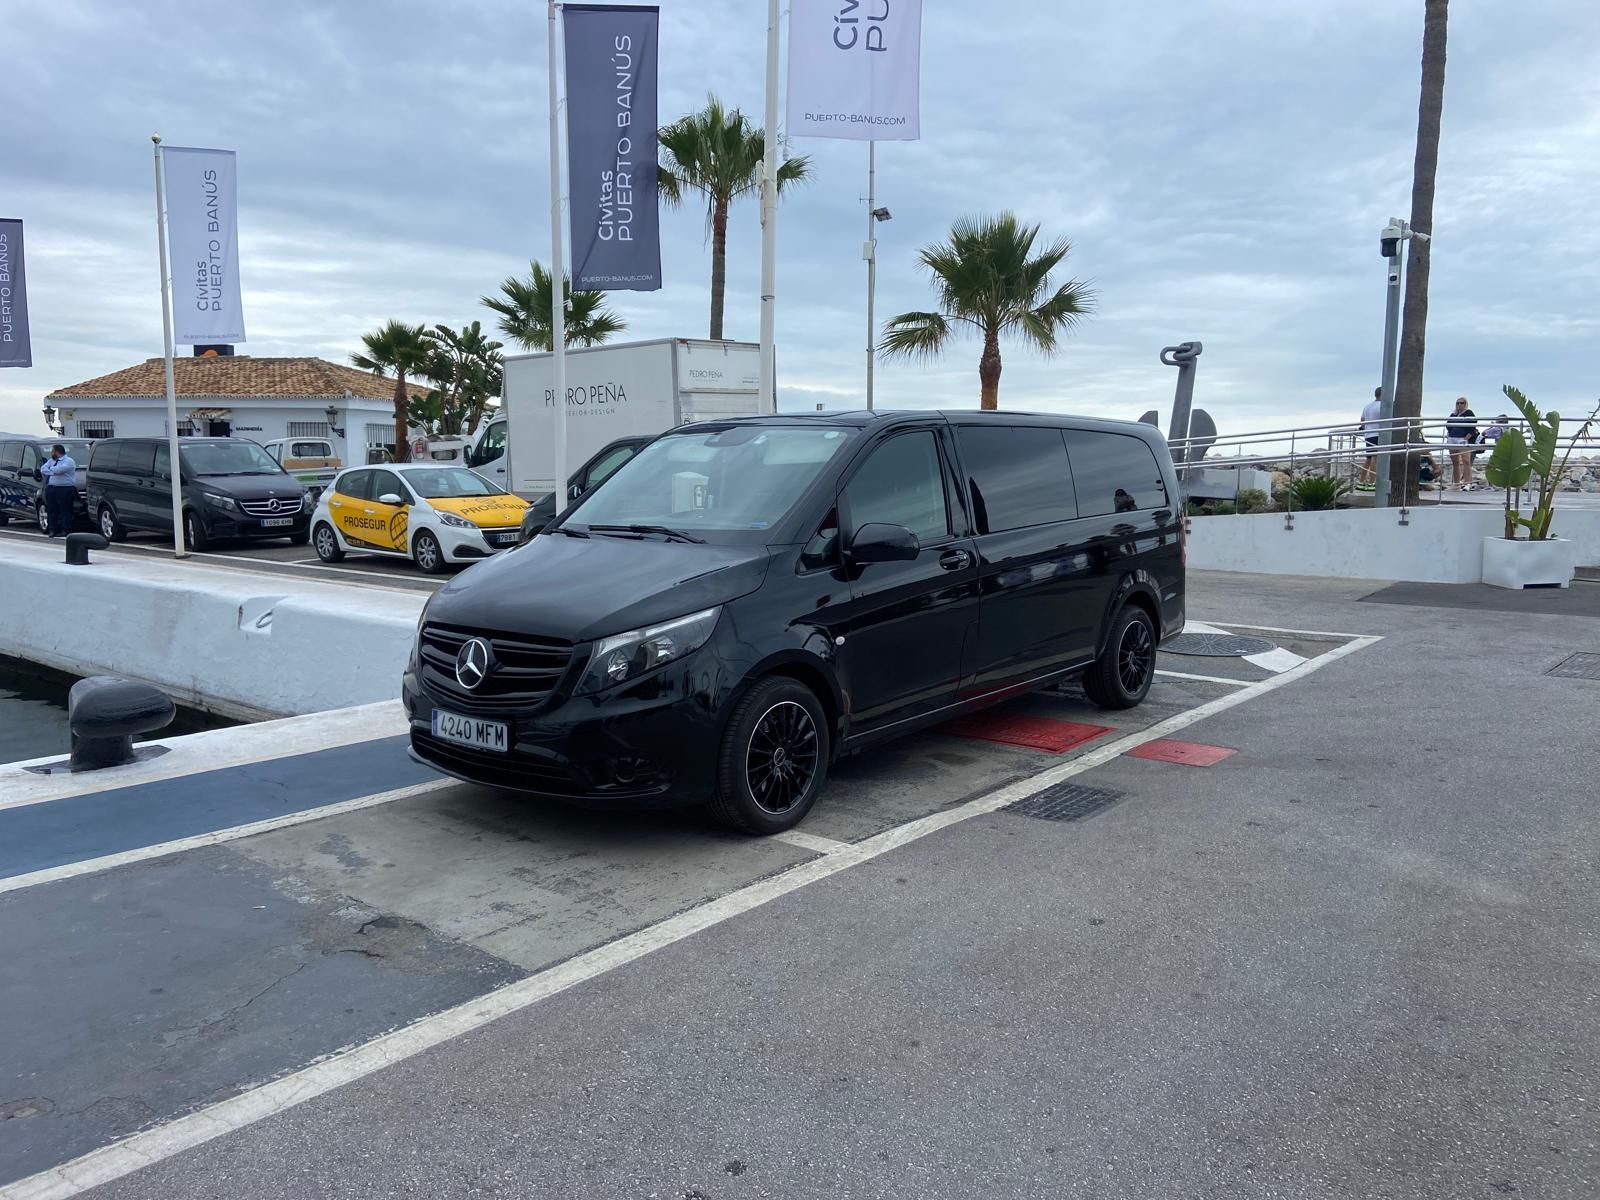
607,464
137,458
11,454
492,446
385,483
356,485
1114,473
901,484
1018,476
163,465
30,459
104,456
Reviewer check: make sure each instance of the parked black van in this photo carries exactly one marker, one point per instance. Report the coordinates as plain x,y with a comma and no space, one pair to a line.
746,600
22,483
232,488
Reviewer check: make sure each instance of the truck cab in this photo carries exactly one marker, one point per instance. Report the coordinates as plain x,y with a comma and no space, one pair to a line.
311,460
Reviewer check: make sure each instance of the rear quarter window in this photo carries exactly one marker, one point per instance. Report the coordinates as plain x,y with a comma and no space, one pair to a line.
1114,473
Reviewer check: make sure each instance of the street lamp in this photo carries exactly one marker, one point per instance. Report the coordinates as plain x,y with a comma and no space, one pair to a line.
875,215
1391,245
332,414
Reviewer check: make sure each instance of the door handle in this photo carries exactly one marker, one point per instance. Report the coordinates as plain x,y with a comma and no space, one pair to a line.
369,511
955,560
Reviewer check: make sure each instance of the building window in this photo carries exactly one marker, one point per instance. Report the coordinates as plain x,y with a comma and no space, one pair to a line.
97,429
309,429
185,427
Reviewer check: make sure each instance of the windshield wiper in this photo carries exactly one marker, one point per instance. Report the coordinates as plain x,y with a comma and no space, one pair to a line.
672,535
576,531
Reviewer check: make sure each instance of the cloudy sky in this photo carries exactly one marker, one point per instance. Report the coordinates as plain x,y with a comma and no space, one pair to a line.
1222,168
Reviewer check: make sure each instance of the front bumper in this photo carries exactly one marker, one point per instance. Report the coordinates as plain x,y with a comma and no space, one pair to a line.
650,746
237,525
467,545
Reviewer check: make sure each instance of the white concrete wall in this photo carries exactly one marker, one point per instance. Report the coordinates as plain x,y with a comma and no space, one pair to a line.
260,421
1439,545
239,643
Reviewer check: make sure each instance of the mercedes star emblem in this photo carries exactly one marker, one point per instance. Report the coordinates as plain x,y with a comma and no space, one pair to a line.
472,663
272,505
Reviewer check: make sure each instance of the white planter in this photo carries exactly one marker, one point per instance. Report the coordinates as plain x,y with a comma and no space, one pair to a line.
1521,563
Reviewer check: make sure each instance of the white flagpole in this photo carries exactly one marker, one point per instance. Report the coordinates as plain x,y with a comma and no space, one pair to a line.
558,290
769,216
178,549
872,254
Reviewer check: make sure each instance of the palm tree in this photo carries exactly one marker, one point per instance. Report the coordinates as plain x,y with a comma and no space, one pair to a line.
718,153
1414,310
989,277
467,367
524,306
402,349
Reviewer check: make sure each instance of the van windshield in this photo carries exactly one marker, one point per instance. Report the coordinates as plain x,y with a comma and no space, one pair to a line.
736,479
226,458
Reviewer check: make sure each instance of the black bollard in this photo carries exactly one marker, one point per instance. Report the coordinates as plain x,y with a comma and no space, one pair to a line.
104,713
79,545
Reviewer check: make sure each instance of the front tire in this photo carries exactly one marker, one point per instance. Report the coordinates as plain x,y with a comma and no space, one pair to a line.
42,515
110,528
428,554
326,543
773,761
194,532
1121,676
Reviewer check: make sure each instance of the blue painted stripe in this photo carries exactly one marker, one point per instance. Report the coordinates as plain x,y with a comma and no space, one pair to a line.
38,836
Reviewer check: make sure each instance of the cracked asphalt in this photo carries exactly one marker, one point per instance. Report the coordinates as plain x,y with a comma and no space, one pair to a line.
1358,958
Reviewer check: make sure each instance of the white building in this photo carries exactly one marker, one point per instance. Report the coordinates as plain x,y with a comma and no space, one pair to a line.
257,398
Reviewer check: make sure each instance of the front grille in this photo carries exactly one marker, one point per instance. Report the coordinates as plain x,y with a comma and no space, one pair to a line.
501,770
271,508
523,674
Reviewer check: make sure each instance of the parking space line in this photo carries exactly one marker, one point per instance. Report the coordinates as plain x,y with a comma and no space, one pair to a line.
1319,633
106,862
1206,678
810,841
163,1141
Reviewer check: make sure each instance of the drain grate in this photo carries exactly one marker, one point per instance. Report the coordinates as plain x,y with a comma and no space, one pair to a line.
1065,802
1579,666
1217,645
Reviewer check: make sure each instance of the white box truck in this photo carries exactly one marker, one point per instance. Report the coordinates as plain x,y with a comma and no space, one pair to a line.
632,389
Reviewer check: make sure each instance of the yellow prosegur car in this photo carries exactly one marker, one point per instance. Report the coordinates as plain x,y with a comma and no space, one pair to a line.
434,515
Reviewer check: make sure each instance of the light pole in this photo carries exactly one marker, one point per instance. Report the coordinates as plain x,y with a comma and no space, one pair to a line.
870,253
1391,244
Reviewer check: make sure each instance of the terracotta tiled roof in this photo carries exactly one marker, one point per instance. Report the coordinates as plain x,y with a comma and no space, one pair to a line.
239,377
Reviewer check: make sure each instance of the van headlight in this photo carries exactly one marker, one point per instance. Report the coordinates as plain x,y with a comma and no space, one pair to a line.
625,656
217,500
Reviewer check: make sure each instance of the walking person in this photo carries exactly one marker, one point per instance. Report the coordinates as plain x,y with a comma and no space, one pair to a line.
1461,430
1371,430
60,489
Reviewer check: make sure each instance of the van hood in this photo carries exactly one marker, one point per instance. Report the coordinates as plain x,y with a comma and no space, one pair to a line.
579,589
251,487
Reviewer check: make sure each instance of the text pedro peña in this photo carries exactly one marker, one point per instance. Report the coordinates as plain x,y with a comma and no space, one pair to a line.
616,186
208,271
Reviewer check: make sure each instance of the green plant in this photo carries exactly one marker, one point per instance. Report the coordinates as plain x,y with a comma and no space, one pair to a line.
1252,500
1195,509
403,349
718,153
1314,492
525,306
989,277
1535,458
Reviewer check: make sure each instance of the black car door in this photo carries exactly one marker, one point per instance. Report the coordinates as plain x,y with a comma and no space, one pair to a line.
901,641
1040,607
11,486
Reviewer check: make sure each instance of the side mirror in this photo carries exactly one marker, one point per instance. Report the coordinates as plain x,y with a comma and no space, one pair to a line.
390,498
878,542
574,491
38,475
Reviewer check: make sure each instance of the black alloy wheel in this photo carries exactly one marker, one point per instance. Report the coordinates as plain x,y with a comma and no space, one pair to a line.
1121,676
773,761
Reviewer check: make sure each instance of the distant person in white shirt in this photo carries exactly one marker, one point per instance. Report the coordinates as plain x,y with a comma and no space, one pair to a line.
60,489
1371,429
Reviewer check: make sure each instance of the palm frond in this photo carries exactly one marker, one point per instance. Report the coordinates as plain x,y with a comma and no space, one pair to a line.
915,335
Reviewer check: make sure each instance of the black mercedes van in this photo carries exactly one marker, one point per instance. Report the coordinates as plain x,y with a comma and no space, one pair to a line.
232,488
746,600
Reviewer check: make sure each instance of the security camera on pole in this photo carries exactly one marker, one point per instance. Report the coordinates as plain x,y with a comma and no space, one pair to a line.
1391,244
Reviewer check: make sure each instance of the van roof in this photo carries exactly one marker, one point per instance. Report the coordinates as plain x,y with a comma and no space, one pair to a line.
862,419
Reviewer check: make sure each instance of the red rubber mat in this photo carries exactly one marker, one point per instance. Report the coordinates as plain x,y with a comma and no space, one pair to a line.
1033,733
1188,754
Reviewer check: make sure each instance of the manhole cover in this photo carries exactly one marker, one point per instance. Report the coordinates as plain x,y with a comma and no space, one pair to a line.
1579,666
1217,645
1065,802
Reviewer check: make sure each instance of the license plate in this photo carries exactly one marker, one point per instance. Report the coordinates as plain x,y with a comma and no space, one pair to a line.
271,522
506,539
469,731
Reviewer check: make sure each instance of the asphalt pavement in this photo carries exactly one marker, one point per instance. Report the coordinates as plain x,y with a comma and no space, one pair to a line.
1357,956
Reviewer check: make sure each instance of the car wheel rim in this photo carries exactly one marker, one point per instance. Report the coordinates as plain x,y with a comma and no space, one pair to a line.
189,531
781,761
44,520
1135,657
425,554
108,524
325,545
